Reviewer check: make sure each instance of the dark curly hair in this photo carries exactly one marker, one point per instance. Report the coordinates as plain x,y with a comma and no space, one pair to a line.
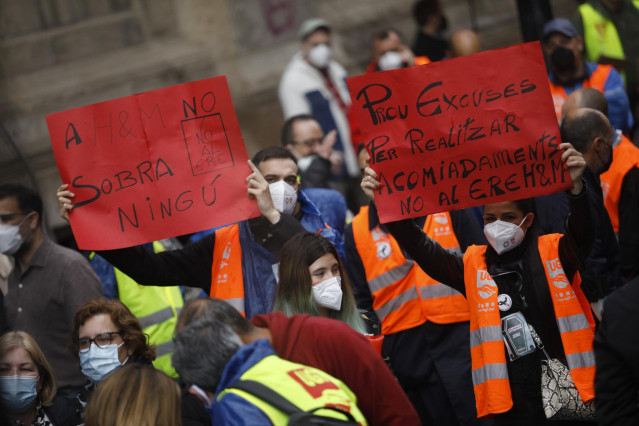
127,324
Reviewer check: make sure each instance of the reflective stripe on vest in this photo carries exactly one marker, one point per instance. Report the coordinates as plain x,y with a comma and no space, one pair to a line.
403,295
157,308
489,365
159,316
625,156
600,35
227,281
597,81
575,324
306,387
165,348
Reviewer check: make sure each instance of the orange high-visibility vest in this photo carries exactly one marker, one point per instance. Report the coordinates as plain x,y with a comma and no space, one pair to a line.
625,156
574,320
403,295
227,281
422,60
597,80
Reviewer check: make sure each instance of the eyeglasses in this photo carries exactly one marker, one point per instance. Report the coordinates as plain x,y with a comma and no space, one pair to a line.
4,218
291,180
309,142
102,340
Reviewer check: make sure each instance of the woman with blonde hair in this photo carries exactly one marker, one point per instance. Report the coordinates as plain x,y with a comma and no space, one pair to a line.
312,281
138,395
27,383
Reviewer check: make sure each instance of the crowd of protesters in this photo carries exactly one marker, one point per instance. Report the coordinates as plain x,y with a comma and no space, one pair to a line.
315,309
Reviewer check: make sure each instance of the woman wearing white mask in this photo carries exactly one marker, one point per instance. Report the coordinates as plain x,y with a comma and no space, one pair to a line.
106,336
312,281
27,383
520,279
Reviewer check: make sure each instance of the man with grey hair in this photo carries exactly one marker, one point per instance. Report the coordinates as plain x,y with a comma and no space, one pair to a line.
202,351
210,356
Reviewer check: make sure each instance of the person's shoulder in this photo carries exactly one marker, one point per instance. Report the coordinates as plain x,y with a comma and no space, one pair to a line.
66,254
64,410
328,328
624,301
337,67
632,176
295,68
614,76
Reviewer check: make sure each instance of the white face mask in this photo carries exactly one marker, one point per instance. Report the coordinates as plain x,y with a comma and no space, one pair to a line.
10,238
504,236
284,196
328,293
390,60
319,56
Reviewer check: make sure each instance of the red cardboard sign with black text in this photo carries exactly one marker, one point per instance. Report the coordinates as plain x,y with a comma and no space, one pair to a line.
153,165
460,132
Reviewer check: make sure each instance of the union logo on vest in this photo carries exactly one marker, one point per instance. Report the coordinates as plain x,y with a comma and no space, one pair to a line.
556,273
486,286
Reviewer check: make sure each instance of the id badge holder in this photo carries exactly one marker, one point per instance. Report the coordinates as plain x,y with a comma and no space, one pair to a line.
517,337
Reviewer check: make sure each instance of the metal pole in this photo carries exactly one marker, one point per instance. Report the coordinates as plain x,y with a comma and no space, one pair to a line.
472,12
533,14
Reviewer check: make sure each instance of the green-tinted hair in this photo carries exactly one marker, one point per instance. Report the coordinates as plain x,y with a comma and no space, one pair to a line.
294,291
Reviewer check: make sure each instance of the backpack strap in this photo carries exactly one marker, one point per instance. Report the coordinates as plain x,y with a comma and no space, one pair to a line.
276,400
267,395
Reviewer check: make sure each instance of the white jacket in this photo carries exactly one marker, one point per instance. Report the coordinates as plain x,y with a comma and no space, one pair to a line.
303,90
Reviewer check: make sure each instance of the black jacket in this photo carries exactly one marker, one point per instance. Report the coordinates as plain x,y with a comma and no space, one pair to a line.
317,174
601,266
193,411
617,357
191,265
629,224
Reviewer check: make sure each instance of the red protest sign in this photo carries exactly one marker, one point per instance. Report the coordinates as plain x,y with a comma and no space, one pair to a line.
461,132
153,165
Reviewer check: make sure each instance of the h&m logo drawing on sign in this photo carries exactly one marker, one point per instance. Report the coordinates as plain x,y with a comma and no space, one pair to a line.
556,273
205,136
486,286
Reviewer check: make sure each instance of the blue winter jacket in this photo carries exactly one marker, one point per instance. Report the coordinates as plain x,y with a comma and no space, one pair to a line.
232,409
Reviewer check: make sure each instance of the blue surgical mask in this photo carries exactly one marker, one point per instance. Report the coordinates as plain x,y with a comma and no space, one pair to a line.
10,238
97,363
18,392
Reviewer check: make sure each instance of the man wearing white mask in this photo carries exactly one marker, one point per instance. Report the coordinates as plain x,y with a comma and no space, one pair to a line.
47,284
315,84
279,169
236,263
390,53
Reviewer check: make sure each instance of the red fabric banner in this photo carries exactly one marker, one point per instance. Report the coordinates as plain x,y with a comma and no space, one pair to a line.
460,132
153,165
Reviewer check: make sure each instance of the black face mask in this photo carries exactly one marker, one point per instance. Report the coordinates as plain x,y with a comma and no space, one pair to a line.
563,59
